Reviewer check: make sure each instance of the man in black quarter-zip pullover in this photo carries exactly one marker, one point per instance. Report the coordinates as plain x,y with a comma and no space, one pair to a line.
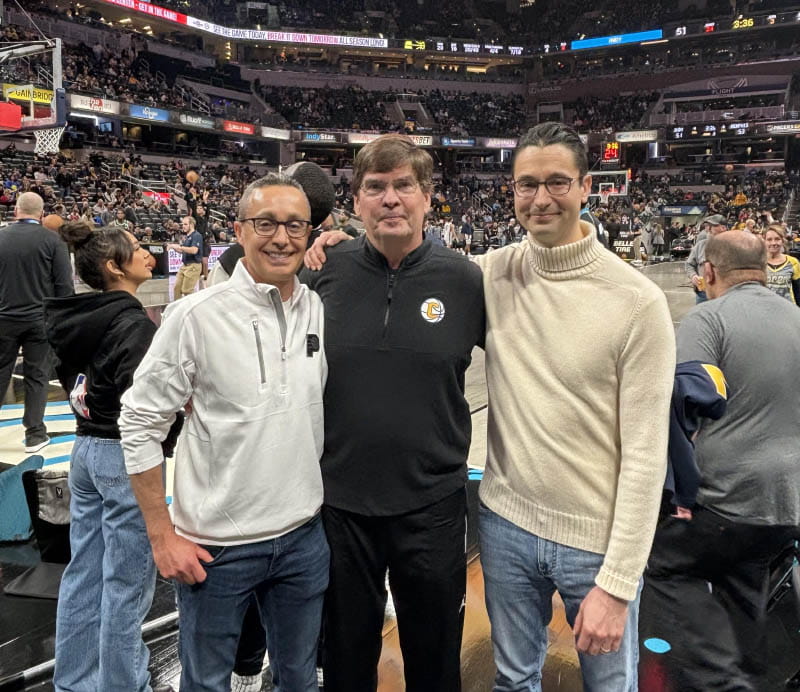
401,319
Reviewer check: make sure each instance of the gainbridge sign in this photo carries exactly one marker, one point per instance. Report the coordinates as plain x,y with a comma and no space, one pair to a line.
15,92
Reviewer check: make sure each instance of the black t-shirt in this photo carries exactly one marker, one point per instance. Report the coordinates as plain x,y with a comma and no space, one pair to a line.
397,425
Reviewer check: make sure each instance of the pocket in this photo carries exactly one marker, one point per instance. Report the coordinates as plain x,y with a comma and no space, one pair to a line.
216,552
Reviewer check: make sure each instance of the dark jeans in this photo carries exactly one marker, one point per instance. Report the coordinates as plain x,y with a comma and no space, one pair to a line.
424,552
706,587
35,362
288,576
252,642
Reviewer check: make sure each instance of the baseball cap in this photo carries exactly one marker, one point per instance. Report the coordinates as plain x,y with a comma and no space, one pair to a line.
716,220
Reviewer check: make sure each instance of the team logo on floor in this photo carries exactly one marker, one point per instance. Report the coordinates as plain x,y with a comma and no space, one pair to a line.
432,310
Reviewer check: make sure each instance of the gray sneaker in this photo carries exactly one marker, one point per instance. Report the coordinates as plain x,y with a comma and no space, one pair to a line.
32,447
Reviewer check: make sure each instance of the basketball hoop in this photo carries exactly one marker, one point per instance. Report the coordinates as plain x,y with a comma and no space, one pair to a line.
604,195
47,141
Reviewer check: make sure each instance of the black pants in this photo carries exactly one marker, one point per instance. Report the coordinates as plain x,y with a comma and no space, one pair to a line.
424,552
35,364
705,593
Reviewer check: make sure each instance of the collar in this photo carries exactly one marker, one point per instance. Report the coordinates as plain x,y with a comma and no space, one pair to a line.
36,221
244,282
567,261
416,256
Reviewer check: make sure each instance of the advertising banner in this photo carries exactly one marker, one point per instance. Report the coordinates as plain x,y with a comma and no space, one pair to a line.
238,128
95,104
196,121
275,133
499,142
163,197
637,136
14,92
322,137
148,113
458,141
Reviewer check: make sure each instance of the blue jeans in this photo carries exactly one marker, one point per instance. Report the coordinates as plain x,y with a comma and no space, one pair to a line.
288,575
700,297
521,572
107,588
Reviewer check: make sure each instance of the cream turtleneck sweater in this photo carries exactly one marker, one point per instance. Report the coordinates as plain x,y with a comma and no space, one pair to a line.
580,362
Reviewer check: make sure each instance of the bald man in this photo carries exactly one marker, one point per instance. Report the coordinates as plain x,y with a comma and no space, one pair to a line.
709,573
34,265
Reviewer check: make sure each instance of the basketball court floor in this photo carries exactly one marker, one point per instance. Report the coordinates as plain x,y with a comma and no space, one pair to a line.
27,625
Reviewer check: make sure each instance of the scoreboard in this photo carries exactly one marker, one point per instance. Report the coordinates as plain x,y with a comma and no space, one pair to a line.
709,130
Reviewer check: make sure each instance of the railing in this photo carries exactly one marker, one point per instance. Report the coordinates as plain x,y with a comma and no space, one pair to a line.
789,207
155,186
218,216
763,113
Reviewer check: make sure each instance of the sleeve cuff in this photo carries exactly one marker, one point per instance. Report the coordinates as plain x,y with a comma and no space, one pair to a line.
622,587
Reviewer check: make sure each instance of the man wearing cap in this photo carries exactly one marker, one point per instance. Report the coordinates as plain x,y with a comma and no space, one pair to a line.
708,574
711,226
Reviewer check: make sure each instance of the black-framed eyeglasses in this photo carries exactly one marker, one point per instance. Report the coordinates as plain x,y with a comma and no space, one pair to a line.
266,227
557,186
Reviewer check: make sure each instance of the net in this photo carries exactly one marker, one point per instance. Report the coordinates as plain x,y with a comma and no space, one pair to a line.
604,195
47,141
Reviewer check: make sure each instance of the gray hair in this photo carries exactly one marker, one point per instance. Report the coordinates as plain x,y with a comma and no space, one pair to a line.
547,134
29,205
268,180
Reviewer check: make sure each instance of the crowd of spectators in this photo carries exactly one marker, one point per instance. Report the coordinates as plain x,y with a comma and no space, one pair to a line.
98,190
620,112
118,75
461,114
349,108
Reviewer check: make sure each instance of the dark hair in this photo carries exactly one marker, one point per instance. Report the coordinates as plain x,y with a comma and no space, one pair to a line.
93,247
547,134
269,180
388,152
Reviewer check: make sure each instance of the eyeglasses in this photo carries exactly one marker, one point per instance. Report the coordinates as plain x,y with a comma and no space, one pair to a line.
266,227
558,187
377,188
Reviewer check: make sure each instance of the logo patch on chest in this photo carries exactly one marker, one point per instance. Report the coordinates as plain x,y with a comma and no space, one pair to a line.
432,310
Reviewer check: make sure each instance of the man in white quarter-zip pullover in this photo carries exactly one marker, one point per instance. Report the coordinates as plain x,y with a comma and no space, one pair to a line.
247,486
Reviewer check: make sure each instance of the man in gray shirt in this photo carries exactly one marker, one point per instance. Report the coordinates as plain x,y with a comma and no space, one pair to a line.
712,569
711,226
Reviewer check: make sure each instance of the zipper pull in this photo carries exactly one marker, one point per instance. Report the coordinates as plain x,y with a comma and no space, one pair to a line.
283,352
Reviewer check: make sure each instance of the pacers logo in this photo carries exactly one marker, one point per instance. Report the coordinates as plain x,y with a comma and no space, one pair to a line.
432,310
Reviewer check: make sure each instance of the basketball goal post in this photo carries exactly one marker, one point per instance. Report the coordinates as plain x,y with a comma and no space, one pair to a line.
32,80
607,185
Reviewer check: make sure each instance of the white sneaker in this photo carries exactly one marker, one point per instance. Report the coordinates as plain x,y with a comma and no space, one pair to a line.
36,446
246,683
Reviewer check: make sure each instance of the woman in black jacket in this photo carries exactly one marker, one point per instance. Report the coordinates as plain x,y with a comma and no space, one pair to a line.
108,586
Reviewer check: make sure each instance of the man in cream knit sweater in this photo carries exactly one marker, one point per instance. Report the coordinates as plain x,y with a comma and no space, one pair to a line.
580,360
